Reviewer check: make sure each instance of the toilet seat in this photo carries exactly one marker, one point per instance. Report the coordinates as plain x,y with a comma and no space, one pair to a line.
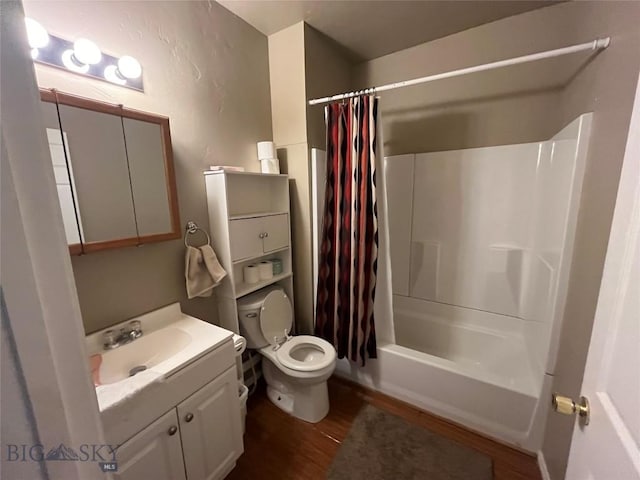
276,317
305,353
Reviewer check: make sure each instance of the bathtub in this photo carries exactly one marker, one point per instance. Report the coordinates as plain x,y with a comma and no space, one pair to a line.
468,366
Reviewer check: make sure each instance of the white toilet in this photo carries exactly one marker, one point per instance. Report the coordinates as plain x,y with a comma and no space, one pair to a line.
296,368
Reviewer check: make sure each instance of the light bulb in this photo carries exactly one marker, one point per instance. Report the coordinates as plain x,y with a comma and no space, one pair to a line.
129,67
111,74
87,52
67,60
36,34
34,53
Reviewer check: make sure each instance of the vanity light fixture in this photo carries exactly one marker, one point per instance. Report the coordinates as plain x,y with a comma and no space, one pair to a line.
86,52
128,68
70,61
83,57
36,33
111,74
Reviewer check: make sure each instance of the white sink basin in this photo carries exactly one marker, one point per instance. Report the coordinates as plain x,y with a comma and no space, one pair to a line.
143,353
170,341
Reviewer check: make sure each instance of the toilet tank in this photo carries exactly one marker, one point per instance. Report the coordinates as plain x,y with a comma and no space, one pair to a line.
249,317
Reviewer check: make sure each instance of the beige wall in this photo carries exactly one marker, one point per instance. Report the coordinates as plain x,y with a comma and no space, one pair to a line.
327,71
208,71
286,72
477,110
288,112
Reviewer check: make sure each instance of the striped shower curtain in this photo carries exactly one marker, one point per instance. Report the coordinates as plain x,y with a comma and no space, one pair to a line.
349,248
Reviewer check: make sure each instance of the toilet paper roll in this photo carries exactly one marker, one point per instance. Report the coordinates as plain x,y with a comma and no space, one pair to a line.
266,150
270,165
251,274
266,270
277,266
239,343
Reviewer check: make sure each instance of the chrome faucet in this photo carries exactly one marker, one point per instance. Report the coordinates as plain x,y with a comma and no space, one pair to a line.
113,339
279,341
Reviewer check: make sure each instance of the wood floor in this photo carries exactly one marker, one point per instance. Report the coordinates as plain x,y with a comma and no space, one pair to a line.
278,446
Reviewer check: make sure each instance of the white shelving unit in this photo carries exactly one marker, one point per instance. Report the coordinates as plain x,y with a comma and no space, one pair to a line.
250,222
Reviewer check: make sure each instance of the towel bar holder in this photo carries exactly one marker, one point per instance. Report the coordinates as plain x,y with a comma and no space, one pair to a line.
191,229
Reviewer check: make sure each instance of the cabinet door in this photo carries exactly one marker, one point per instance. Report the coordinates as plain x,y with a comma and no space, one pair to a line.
211,428
155,452
101,172
276,228
63,174
149,182
245,238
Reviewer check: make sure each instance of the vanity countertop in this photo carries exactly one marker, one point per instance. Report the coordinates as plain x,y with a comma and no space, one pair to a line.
171,340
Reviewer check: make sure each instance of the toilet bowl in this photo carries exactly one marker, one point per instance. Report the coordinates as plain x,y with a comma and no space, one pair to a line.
296,368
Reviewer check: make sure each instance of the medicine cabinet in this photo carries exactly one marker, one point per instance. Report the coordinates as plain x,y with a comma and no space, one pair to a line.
114,173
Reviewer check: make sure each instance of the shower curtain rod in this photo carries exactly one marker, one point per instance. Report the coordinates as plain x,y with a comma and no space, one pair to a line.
597,44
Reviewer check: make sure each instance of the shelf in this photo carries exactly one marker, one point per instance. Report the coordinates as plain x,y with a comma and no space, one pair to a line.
243,289
248,174
263,255
257,214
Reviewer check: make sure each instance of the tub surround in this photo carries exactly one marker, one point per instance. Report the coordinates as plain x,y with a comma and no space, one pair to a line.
480,271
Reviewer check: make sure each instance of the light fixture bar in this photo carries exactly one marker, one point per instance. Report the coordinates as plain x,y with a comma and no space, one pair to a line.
105,69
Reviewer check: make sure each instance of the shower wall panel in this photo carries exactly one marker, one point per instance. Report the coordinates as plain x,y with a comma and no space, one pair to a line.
398,173
490,229
470,224
558,184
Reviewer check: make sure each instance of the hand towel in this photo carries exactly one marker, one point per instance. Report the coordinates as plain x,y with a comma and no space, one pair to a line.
203,271
113,394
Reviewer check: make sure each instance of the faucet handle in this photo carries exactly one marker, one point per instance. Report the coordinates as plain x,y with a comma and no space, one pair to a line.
109,339
135,328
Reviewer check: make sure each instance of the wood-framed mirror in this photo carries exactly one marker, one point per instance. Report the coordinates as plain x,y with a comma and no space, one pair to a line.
114,173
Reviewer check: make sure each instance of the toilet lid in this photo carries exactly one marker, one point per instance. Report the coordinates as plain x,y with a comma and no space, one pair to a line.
275,316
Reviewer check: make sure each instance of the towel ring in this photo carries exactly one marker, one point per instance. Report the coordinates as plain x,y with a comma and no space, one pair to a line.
191,229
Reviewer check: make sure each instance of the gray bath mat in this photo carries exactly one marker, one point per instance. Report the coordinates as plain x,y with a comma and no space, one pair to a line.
381,446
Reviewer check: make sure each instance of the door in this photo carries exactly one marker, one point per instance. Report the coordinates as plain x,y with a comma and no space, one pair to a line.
609,447
275,232
246,238
155,452
211,428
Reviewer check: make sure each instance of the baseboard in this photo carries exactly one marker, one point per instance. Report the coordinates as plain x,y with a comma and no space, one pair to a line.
543,466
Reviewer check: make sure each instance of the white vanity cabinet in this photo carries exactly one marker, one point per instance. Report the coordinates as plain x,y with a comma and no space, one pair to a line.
256,236
210,429
185,427
155,452
200,439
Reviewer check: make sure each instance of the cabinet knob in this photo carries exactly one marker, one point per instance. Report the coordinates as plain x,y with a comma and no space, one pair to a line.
266,234
188,417
172,430
261,235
